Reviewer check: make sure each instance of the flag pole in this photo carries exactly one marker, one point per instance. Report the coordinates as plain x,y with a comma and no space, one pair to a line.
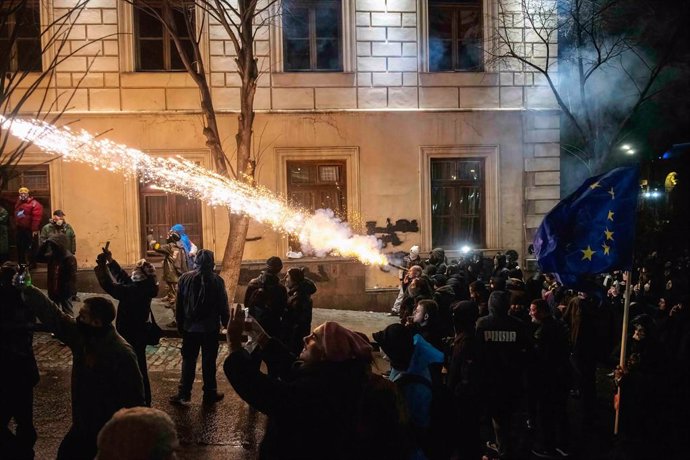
624,343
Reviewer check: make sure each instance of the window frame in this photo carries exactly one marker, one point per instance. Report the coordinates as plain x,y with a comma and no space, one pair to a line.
166,38
491,211
14,51
460,184
325,155
311,6
489,11
348,43
454,9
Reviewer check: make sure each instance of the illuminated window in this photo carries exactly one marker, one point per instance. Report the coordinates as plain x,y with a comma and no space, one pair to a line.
457,202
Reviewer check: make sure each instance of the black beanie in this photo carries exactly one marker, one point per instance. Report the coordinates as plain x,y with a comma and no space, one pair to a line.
274,264
397,343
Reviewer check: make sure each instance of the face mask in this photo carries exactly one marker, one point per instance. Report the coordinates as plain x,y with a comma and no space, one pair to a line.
87,330
59,222
23,197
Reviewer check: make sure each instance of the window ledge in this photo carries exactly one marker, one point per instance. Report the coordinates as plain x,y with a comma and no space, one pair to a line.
156,80
312,79
458,79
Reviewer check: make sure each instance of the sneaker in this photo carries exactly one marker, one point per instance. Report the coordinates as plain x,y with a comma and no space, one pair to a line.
180,400
562,452
393,313
213,398
544,453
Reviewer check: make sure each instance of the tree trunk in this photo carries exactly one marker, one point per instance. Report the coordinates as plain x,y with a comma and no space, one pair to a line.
247,69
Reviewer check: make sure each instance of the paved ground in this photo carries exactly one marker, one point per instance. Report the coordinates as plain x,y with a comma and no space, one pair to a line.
226,431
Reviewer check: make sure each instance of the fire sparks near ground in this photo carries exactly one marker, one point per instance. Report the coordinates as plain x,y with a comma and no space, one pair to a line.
321,233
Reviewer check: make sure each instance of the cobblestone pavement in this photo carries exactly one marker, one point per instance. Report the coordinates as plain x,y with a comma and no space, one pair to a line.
226,431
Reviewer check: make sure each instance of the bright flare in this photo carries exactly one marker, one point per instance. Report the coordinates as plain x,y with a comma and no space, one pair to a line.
322,232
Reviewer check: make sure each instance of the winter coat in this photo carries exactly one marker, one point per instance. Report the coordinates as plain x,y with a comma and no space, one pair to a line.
205,313
105,373
445,297
501,345
28,214
62,270
266,299
417,395
313,409
16,336
297,318
51,229
4,234
549,356
134,297
176,261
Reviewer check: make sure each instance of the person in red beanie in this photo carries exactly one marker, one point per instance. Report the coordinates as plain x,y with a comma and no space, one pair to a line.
28,213
327,404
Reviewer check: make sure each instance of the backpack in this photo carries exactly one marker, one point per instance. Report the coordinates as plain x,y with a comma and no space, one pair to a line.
436,442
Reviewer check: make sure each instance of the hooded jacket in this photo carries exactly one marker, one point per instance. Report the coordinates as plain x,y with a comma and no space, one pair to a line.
134,298
501,344
266,299
202,303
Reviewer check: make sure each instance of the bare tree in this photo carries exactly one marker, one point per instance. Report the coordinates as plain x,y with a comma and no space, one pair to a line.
601,59
240,19
29,59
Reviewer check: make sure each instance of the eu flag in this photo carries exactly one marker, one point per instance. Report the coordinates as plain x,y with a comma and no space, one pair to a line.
593,229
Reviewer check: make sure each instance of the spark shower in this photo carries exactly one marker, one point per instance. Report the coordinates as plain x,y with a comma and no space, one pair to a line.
320,232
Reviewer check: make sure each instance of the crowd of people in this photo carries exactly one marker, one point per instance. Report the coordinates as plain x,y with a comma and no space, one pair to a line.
481,357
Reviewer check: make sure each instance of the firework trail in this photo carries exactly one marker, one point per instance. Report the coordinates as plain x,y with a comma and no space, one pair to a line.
321,233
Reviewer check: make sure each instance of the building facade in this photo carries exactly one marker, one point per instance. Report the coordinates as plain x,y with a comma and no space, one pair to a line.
390,112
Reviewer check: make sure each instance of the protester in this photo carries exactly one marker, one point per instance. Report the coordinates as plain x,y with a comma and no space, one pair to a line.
28,213
189,246
105,373
134,293
202,306
501,345
464,381
297,319
139,433
20,373
266,298
410,260
549,380
57,224
175,263
348,411
4,235
62,271
410,358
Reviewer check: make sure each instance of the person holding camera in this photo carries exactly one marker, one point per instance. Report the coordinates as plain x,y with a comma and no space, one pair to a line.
20,373
134,292
202,306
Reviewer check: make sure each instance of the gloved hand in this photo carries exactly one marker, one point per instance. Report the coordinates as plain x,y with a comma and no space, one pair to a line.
102,259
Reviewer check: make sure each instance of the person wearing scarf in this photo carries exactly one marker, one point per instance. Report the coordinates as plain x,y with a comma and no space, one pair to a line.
326,404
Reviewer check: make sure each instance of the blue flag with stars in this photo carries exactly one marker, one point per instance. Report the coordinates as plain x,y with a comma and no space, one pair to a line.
593,229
